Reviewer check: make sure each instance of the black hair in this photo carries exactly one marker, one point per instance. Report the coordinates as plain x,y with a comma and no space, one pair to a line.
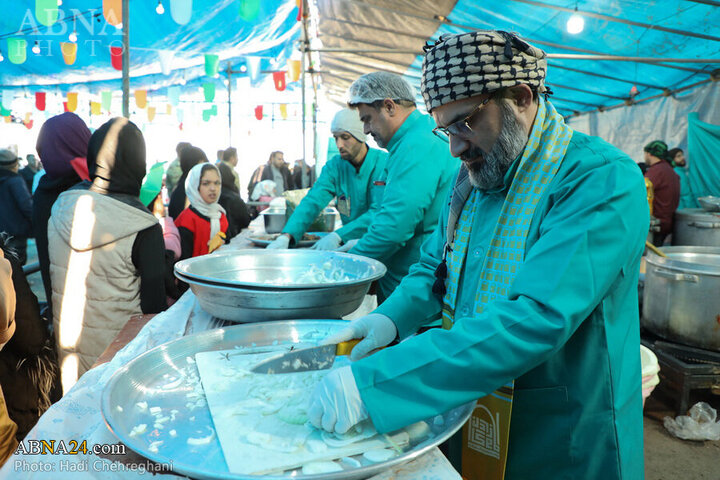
229,153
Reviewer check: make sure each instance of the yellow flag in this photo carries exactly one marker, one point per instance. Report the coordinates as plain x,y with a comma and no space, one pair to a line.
141,98
72,101
294,67
151,114
69,52
168,109
283,111
27,117
96,108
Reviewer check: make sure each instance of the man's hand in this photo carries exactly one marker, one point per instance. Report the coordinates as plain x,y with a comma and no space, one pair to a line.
282,242
376,330
331,241
348,245
335,405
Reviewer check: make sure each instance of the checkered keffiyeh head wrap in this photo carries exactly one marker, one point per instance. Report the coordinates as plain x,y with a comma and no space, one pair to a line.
657,148
469,64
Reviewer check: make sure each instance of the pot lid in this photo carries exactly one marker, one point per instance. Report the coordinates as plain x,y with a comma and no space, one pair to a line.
697,214
688,259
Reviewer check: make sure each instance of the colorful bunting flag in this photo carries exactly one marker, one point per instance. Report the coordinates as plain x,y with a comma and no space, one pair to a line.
151,114
7,98
259,112
253,67
212,63
174,96
181,11
69,52
249,9
40,101
279,80
206,115
141,98
65,107
72,101
106,99
116,57
299,4
294,69
180,115
4,112
283,111
46,11
209,91
112,11
168,109
166,59
17,50
96,108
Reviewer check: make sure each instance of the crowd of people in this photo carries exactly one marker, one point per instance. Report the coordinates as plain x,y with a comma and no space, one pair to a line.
512,273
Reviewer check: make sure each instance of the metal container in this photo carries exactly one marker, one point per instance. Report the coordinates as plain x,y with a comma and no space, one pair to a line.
150,378
279,269
695,226
680,298
274,220
244,305
710,203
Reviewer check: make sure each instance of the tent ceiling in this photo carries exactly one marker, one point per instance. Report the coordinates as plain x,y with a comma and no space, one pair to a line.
673,29
215,27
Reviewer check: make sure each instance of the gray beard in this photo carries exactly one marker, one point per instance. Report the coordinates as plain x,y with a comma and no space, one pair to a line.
490,173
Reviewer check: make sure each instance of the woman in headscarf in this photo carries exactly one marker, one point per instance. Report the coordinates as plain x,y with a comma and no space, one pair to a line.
189,157
203,225
62,147
237,212
106,251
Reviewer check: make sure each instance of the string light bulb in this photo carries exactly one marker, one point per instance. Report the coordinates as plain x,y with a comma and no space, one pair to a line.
73,36
160,9
36,48
1,56
59,3
576,23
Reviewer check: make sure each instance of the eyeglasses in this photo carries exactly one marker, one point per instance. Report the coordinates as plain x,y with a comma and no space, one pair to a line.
461,128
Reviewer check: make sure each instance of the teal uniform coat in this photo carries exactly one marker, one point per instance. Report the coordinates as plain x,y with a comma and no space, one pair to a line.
568,333
687,199
353,189
419,176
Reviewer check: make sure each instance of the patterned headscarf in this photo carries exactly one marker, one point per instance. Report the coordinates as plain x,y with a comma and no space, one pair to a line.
470,64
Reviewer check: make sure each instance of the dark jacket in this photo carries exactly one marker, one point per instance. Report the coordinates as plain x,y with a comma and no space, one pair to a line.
47,191
264,172
297,176
28,363
237,212
15,205
28,174
666,188
189,157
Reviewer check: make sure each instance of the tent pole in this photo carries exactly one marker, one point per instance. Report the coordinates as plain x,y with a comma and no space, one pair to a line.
126,58
229,78
303,101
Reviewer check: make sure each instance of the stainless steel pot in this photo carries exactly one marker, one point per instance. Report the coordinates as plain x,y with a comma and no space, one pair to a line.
274,220
695,226
680,299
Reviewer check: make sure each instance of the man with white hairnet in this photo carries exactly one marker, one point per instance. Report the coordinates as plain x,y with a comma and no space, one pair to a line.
533,269
419,175
350,177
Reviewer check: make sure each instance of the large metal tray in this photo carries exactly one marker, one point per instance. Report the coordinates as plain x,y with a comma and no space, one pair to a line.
265,268
247,305
145,379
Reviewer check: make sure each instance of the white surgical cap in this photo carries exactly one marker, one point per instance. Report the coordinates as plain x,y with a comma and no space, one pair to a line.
347,120
379,86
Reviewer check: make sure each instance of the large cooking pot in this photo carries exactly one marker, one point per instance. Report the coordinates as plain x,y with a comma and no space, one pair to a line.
680,299
695,226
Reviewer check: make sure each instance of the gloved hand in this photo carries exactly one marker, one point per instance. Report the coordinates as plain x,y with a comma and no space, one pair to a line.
331,241
280,243
335,404
375,329
348,245
216,242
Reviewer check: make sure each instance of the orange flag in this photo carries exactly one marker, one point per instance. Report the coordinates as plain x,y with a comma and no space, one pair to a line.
112,11
141,98
69,52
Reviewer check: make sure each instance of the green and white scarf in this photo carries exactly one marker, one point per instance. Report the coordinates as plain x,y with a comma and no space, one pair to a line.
543,154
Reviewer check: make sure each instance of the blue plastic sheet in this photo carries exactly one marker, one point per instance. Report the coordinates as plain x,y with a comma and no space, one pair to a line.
703,156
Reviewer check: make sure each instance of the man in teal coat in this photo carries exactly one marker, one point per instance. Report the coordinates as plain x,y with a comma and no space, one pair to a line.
349,177
418,176
533,269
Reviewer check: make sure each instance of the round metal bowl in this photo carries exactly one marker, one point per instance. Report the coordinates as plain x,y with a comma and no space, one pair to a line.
710,203
145,379
279,269
245,305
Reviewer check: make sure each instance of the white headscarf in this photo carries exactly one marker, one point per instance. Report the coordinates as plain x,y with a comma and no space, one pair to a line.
192,189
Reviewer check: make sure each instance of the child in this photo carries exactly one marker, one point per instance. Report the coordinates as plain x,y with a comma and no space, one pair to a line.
203,224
